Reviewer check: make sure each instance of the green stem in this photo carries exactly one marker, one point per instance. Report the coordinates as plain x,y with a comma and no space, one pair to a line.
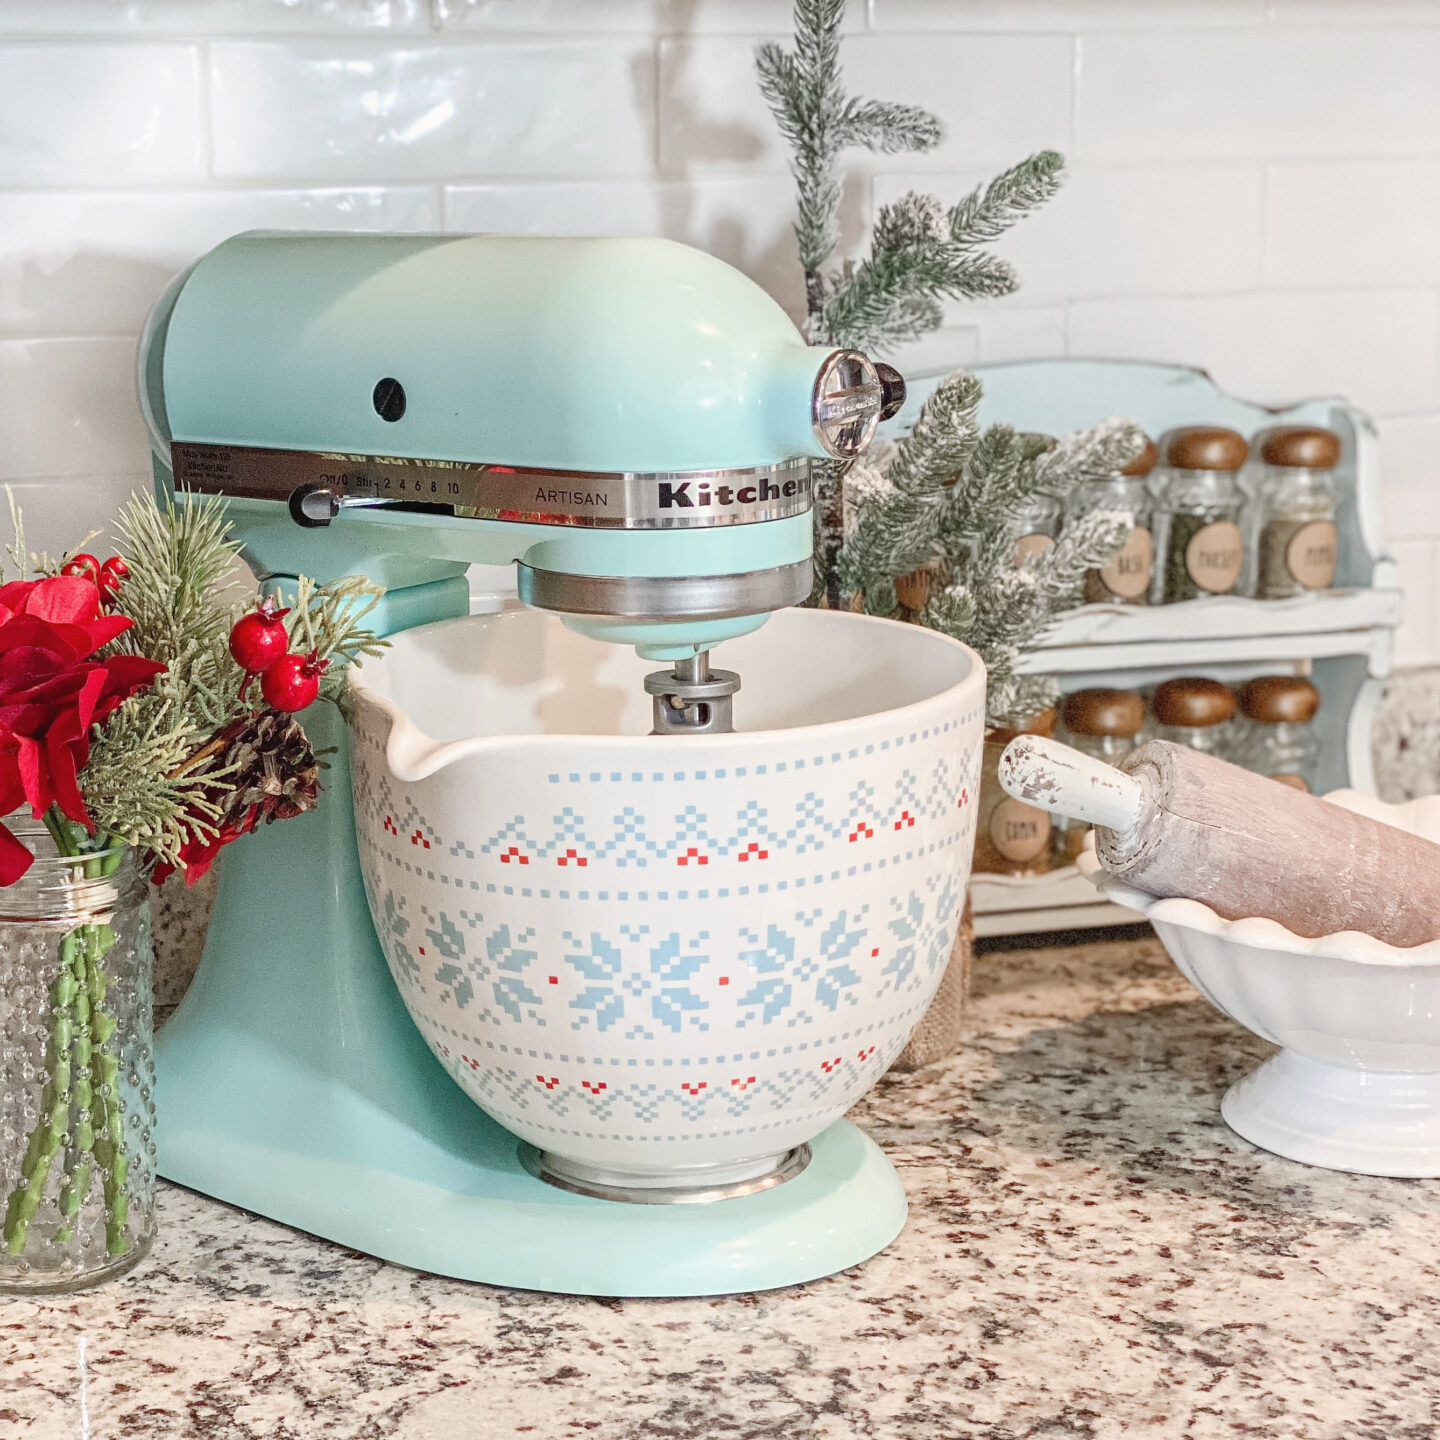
46,1138
82,1135
107,1113
79,1073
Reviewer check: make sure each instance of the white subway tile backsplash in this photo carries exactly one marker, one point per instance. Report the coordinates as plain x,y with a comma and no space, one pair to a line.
1274,93
58,510
939,352
1378,347
209,17
713,118
1169,96
1418,642
665,17
93,262
990,334
1018,332
747,223
1062,16
70,408
1310,13
363,112
99,114
1254,186
1353,222
1125,230
1410,462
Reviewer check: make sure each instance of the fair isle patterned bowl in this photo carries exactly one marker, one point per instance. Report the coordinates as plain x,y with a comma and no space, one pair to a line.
666,961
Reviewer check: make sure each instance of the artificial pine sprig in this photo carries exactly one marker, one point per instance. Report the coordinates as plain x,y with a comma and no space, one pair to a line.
921,255
819,120
327,621
925,529
947,500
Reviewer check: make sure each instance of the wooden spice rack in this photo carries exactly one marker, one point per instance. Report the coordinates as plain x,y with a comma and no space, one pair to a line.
1342,638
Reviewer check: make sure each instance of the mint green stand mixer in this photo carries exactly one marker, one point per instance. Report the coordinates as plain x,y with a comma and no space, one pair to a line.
632,423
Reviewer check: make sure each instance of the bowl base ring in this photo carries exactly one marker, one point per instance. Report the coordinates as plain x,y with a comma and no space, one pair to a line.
1339,1118
581,1179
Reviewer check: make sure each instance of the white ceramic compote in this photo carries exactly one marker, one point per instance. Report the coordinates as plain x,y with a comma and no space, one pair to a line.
1356,1085
667,962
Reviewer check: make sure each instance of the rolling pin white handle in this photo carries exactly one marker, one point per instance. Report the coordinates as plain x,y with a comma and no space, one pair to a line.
1056,778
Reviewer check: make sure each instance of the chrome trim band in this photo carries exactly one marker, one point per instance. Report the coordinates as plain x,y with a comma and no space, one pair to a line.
650,597
553,1170
662,500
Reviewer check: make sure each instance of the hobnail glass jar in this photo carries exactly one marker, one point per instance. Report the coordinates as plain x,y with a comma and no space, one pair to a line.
77,1107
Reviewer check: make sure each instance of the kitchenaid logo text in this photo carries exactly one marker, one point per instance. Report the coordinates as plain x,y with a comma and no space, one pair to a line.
702,495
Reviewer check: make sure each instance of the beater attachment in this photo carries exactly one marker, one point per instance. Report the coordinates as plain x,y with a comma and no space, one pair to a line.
692,699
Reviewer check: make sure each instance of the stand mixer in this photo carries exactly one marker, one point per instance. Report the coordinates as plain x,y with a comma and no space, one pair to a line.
630,422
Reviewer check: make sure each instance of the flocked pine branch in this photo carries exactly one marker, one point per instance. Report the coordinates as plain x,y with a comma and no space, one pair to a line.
922,255
818,121
936,515
897,512
948,500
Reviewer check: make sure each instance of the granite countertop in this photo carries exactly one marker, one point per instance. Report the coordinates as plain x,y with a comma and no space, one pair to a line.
1090,1253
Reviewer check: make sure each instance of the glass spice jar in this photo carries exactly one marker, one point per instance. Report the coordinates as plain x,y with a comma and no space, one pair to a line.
1037,525
1299,543
1011,838
1200,504
1125,578
1278,741
77,1109
1196,712
1102,723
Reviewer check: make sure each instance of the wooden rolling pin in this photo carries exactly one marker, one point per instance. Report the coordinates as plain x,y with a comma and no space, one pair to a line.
1174,821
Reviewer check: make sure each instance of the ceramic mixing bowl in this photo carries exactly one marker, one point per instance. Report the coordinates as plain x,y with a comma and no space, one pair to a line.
1356,1084
666,962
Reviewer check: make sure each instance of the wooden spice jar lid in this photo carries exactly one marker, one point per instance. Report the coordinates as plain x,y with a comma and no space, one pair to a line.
1273,699
1041,723
1206,447
1301,447
1103,712
1192,701
1144,462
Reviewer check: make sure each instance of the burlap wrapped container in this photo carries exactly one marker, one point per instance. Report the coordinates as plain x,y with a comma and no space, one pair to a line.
938,1033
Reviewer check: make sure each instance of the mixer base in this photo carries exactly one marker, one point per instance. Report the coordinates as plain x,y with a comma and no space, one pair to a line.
293,1083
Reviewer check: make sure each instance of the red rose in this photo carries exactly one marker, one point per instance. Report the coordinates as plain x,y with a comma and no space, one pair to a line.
51,693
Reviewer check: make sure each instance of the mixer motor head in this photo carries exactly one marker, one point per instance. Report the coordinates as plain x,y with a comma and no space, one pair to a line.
630,422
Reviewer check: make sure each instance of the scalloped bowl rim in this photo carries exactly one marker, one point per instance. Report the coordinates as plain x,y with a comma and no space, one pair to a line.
1420,817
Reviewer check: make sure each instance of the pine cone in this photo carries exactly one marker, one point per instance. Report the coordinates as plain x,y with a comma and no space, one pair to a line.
272,771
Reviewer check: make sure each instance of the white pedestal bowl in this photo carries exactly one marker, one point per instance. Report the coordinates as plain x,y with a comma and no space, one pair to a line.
666,962
1356,1085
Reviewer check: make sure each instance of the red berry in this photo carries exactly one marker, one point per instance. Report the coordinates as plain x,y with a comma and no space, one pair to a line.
293,682
86,567
112,575
258,639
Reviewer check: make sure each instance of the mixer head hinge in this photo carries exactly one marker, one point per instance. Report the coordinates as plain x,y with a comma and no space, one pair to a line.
693,699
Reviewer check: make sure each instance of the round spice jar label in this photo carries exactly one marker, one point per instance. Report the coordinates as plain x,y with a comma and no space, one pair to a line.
1214,556
1018,831
1036,544
1310,555
1128,573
